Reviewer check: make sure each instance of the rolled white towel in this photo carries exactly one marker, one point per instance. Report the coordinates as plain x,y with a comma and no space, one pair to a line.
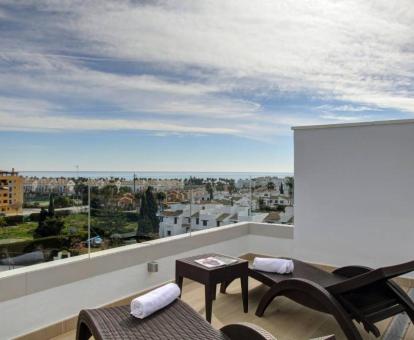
146,304
272,265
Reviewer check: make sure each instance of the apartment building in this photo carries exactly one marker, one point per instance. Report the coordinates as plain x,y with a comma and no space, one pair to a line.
11,193
48,185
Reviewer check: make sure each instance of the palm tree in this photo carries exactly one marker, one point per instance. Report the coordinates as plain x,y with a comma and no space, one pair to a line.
290,183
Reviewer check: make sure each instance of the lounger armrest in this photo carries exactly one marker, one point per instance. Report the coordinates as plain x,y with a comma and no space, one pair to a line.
351,271
246,331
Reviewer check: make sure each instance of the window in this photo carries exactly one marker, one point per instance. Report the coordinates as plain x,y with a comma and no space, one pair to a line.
205,223
175,220
197,221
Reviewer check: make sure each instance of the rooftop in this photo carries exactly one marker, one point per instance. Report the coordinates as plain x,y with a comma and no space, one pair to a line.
356,124
171,213
349,166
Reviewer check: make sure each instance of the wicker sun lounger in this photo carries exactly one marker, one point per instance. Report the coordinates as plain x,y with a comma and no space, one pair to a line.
348,293
178,321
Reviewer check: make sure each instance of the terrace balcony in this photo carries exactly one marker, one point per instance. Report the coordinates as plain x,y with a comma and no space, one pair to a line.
341,218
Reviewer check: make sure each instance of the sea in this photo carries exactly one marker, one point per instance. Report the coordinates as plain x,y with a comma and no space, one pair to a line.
151,174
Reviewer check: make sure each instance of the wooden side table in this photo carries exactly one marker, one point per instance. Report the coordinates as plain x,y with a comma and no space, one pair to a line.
210,277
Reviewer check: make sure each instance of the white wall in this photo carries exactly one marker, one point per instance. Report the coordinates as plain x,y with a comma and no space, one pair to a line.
22,315
37,296
354,194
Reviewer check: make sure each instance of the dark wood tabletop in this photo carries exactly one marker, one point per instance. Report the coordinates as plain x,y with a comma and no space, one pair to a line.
210,277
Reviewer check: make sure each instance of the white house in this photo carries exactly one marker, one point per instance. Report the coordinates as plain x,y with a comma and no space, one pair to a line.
181,218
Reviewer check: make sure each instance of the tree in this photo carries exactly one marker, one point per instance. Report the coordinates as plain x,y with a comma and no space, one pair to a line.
125,190
161,196
3,221
210,190
281,189
152,209
148,213
62,202
110,223
51,226
145,225
270,186
81,191
108,194
231,187
42,216
261,204
220,186
290,183
51,209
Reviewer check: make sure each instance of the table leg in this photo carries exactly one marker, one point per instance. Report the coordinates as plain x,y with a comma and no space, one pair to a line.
179,282
224,286
213,291
245,291
209,301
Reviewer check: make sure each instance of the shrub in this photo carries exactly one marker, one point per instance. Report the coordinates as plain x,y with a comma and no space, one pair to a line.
62,202
131,216
34,217
51,226
62,212
3,221
14,219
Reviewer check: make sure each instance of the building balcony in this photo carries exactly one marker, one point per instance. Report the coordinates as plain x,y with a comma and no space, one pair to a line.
42,301
341,218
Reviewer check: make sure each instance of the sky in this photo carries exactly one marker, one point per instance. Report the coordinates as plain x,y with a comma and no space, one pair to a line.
193,85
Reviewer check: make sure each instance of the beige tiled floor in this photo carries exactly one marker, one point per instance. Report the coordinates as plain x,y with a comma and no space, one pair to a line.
285,319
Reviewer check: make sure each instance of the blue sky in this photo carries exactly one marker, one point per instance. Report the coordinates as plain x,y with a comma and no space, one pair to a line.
193,86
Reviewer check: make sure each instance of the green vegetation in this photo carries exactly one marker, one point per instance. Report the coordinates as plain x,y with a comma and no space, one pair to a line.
148,220
3,221
290,183
22,231
210,190
49,224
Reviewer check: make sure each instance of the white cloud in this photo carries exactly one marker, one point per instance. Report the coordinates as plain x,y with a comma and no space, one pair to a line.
44,123
343,118
202,60
347,108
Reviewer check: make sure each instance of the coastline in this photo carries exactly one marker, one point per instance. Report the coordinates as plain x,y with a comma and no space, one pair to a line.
151,174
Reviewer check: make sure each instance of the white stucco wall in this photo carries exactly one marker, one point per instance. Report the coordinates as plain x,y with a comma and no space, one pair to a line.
37,296
354,194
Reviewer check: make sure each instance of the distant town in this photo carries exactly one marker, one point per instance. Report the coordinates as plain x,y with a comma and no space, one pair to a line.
53,215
